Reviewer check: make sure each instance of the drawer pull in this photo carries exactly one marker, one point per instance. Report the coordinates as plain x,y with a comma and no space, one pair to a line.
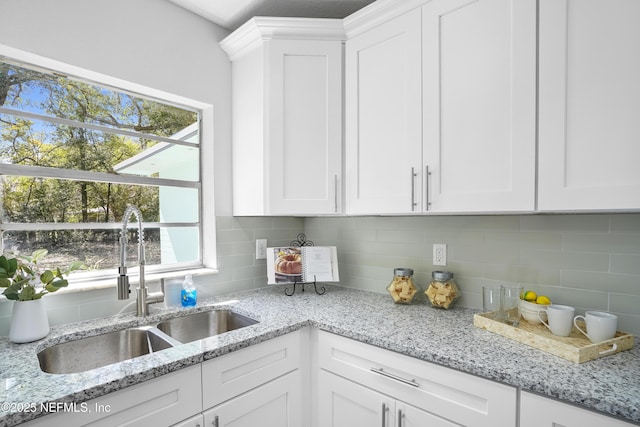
384,415
399,421
382,372
215,421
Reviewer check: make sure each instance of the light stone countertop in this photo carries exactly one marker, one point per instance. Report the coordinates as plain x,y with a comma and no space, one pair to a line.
447,337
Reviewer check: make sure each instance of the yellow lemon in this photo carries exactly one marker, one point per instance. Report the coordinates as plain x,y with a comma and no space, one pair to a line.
543,300
529,296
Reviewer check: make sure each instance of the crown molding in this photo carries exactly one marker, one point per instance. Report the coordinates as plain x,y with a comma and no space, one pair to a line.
376,13
258,29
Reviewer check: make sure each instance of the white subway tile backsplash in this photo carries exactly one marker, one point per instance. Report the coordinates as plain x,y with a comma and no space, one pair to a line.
565,223
597,281
625,303
625,223
591,261
562,259
610,243
629,264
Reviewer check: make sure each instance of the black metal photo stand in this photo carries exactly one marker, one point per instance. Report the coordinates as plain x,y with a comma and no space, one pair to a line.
302,241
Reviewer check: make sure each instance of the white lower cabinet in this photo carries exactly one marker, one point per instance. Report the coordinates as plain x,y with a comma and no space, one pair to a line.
259,385
338,383
344,403
539,411
275,404
195,421
240,371
412,390
161,401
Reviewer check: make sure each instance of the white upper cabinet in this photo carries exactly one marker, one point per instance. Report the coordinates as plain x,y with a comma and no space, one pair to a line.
440,110
287,116
589,131
479,98
383,118
445,101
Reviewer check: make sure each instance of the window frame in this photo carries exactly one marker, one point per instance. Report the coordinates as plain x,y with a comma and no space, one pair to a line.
207,236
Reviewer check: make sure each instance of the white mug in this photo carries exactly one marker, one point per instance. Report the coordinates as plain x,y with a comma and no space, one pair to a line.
560,319
601,326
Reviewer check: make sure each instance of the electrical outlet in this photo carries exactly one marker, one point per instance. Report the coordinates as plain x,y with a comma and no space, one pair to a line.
261,248
439,254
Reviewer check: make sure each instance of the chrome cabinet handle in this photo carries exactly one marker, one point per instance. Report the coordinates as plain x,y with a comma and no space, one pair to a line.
413,189
382,372
399,421
384,414
215,421
427,174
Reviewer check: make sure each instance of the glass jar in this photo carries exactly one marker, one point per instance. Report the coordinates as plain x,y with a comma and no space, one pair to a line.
442,291
401,288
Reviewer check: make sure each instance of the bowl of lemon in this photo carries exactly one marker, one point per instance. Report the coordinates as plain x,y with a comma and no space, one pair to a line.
530,303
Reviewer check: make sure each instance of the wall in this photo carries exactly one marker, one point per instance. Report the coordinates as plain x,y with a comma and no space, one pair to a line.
588,261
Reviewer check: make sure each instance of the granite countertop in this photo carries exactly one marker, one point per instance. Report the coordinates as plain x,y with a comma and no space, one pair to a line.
447,337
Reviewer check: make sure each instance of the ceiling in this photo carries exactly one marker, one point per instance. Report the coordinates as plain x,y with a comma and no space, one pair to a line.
230,14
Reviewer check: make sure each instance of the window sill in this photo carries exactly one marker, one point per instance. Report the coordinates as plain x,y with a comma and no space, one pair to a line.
110,282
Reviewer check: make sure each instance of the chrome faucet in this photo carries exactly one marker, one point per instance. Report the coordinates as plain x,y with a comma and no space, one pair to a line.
143,298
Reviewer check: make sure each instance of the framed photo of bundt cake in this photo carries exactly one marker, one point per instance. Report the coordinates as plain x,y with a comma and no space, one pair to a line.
304,264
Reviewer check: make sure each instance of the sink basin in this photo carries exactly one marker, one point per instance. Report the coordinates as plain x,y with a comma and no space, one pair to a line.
202,325
102,350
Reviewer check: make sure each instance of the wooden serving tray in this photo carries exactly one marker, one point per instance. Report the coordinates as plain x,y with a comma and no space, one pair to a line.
576,347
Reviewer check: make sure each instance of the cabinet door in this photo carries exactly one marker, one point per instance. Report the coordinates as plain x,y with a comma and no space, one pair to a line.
275,404
589,105
538,411
410,416
304,108
197,421
479,104
342,403
383,98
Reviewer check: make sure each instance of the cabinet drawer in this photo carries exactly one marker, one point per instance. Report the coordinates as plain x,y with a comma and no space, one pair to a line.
539,411
161,401
447,393
242,370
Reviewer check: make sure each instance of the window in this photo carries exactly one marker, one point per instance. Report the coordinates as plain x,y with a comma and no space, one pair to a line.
74,154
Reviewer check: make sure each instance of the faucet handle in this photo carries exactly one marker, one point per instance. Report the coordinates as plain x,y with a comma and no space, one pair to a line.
123,287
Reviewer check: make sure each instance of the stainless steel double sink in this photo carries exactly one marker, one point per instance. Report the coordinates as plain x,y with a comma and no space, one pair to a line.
112,347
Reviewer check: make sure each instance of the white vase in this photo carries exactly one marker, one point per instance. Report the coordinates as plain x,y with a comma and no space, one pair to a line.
29,321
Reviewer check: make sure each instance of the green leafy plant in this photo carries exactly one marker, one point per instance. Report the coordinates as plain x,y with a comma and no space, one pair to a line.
24,282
